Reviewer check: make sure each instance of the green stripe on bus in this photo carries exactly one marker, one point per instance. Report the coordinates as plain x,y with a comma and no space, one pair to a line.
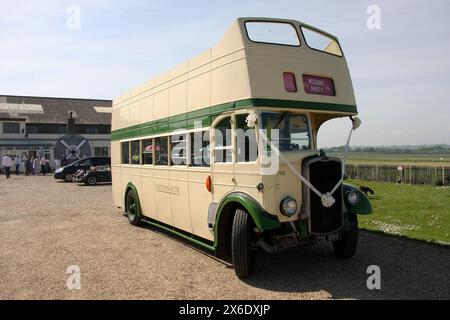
206,116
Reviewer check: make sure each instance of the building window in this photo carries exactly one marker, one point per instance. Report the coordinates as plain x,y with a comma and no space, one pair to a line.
101,151
200,149
161,152
125,152
93,129
147,151
11,127
44,128
136,152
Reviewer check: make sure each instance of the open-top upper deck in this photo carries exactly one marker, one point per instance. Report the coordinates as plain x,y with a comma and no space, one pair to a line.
263,62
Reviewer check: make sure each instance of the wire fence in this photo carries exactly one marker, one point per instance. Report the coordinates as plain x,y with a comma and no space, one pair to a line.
408,174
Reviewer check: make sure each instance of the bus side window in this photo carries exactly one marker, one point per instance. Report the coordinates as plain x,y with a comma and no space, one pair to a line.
246,145
223,149
200,149
179,149
136,152
147,152
126,152
161,154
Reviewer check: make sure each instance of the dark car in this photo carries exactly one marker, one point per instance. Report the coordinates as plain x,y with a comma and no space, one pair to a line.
66,173
95,175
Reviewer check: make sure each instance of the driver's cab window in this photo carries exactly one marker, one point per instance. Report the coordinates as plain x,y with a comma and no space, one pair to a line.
246,144
292,133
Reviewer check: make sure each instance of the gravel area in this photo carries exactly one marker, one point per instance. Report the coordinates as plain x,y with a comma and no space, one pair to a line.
46,226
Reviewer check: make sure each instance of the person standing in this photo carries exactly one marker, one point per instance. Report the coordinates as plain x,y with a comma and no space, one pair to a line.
47,166
43,166
17,163
28,166
24,167
7,164
36,163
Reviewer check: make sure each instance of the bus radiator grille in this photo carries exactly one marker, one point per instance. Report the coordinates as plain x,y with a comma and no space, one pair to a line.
324,173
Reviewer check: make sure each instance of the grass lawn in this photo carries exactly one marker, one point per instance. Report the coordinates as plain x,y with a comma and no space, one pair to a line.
419,212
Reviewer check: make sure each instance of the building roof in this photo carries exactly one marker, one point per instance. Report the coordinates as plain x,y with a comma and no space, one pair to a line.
55,110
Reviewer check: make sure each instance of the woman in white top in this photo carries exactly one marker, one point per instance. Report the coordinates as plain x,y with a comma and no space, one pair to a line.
36,164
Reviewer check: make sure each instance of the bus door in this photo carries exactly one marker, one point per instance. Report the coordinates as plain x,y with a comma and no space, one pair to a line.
247,175
222,163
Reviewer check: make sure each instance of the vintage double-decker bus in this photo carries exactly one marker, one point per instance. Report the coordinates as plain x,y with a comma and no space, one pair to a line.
181,164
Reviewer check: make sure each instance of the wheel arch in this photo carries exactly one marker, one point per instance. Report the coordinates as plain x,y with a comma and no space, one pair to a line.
131,186
225,215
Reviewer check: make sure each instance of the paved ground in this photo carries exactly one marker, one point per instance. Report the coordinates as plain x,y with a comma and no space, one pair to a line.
46,226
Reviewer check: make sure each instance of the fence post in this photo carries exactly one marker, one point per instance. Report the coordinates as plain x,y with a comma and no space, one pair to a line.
410,178
443,176
436,175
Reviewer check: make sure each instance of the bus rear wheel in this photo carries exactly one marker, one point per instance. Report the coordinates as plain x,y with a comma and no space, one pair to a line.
242,244
346,247
133,209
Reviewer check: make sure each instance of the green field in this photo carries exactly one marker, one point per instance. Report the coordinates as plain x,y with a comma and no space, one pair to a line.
419,212
397,159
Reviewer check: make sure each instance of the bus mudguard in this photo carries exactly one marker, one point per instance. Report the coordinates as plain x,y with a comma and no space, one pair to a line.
263,220
131,186
363,207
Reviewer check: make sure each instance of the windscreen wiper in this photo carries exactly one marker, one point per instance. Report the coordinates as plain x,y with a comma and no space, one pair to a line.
281,120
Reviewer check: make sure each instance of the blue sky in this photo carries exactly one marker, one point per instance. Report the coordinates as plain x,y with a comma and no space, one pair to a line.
401,73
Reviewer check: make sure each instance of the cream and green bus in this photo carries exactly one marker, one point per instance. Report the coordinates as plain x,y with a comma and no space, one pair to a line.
221,150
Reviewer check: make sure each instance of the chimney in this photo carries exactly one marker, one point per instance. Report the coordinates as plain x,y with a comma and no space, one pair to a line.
71,124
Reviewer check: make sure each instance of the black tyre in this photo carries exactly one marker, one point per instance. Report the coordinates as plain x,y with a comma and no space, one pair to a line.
133,208
91,181
242,244
346,247
68,178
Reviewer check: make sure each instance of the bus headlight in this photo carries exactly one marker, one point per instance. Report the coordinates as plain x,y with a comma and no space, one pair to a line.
352,198
289,207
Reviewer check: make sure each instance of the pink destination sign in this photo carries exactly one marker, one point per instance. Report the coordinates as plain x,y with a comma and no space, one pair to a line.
319,85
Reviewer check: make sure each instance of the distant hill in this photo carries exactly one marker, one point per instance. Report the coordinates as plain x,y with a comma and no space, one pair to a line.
418,149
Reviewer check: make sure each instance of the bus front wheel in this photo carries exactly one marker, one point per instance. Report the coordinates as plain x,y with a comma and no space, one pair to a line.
242,244
346,247
133,208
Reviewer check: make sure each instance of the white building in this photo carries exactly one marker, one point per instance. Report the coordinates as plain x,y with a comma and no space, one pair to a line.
61,128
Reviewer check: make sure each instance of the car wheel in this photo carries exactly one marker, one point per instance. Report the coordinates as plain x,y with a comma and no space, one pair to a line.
68,177
346,247
91,181
242,244
133,208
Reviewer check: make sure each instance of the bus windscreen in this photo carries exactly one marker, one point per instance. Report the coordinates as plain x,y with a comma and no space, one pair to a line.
321,42
272,33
